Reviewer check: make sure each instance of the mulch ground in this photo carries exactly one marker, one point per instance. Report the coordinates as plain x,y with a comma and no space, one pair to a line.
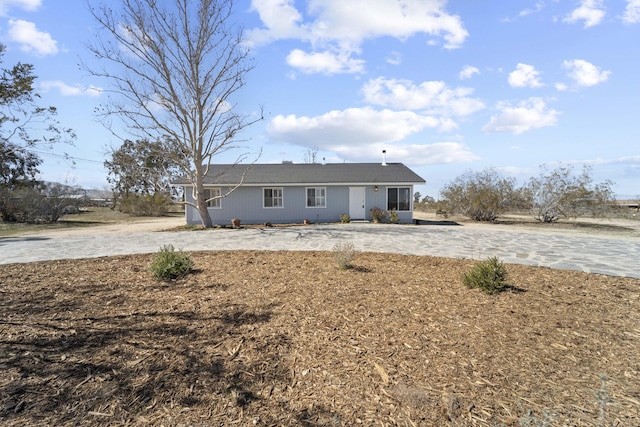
286,338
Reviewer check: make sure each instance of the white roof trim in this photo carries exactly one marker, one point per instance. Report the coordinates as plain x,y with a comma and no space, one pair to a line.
311,184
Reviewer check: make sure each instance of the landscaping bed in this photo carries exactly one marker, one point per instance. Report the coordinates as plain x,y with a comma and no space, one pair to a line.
287,338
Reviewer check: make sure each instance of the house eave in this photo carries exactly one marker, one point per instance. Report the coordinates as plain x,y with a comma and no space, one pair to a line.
306,184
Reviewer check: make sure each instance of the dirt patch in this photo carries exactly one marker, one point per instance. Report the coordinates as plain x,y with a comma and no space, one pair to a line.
613,228
278,338
140,225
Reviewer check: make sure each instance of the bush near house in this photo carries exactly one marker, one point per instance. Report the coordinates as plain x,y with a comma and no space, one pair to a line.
377,214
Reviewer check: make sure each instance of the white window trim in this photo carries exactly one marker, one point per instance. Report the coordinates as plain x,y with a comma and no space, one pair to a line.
306,199
398,188
281,198
218,201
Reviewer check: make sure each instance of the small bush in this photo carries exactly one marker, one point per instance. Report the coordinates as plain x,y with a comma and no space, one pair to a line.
345,218
170,264
378,214
489,275
394,216
344,253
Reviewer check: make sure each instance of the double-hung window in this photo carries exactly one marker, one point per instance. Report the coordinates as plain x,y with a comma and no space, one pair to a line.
209,194
272,197
316,197
399,198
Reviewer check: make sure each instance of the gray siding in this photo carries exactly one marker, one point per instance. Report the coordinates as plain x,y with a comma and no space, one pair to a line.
246,203
379,199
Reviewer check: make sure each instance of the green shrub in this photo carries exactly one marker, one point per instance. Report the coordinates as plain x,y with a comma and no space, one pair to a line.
345,218
145,204
344,253
170,264
489,275
40,203
394,216
481,196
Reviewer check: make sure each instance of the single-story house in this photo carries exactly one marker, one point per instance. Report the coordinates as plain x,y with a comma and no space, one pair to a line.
285,192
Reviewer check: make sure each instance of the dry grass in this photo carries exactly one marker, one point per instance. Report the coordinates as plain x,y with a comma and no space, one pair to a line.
88,218
277,338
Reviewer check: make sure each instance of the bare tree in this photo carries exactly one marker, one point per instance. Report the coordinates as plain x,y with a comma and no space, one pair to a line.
311,156
560,193
481,196
174,67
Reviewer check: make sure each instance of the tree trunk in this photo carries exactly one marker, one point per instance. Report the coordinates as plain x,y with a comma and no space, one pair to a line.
202,204
204,215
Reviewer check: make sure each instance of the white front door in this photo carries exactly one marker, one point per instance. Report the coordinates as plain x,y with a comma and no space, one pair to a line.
356,203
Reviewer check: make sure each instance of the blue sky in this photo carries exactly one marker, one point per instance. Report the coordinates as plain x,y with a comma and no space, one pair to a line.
442,86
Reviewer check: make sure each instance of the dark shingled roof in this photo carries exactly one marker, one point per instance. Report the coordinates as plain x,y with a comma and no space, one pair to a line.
306,173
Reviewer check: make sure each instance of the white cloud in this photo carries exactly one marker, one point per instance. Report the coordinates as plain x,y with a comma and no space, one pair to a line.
409,154
342,26
528,115
539,6
632,12
66,90
324,62
31,40
626,160
359,20
433,97
356,20
467,72
281,19
28,5
585,73
592,12
353,126
394,58
525,76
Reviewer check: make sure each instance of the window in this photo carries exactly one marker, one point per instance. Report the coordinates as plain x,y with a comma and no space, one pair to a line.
210,193
399,198
316,197
272,197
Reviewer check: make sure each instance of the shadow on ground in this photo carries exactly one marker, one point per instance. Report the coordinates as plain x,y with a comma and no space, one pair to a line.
436,222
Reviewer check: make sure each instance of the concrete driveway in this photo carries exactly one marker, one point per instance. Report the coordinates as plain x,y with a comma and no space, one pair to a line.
592,254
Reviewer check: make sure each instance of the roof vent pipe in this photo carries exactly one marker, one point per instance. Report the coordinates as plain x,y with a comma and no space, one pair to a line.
384,157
